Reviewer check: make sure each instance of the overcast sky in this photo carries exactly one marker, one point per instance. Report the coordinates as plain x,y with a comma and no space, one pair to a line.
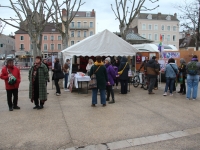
105,18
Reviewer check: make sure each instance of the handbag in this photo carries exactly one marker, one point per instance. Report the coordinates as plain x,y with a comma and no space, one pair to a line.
93,81
120,72
11,80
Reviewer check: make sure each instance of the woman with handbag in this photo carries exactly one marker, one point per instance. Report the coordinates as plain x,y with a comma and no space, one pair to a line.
123,72
171,71
57,74
98,73
38,76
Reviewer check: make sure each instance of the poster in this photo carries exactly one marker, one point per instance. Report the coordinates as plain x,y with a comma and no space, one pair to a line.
151,55
143,58
138,58
167,55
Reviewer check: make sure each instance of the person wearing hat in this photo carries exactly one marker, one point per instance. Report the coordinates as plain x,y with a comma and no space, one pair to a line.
11,88
152,73
111,77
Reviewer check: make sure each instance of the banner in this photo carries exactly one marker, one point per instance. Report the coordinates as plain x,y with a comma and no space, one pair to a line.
167,55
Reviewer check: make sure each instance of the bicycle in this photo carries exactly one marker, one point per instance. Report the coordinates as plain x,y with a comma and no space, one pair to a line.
136,80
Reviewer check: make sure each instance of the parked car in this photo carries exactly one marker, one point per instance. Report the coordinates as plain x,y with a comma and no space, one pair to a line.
10,56
2,56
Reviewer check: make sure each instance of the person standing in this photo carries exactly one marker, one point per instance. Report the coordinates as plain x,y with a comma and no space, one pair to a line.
111,76
102,79
66,71
193,72
45,62
124,66
144,64
171,71
11,89
38,76
156,83
89,65
116,68
182,76
152,73
57,74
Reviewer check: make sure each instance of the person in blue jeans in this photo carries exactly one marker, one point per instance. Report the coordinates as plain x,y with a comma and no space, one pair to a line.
171,71
102,79
193,71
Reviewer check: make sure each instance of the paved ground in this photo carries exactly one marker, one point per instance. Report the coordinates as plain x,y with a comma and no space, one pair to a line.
69,121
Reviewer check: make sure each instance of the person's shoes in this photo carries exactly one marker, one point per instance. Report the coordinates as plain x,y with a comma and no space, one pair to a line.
16,107
156,88
113,101
104,105
165,94
57,94
179,92
151,93
171,95
36,107
40,107
93,105
10,109
107,99
67,90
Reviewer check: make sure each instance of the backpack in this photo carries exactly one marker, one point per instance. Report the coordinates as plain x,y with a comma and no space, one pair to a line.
192,68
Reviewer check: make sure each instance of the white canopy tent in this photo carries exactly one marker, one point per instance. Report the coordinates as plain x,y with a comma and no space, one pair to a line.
104,43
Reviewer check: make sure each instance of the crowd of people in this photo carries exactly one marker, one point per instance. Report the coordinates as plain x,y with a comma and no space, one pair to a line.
108,74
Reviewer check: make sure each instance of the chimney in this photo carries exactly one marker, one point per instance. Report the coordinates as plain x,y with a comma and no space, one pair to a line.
64,12
93,13
175,15
159,16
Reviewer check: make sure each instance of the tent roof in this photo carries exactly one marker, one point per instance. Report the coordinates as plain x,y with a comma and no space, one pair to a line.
104,43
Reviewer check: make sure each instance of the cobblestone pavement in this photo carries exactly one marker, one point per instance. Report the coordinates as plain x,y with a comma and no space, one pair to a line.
136,121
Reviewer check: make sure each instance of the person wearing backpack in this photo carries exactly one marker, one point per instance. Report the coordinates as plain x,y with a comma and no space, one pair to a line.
193,71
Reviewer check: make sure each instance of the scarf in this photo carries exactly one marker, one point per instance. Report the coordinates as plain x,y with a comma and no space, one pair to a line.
99,64
194,59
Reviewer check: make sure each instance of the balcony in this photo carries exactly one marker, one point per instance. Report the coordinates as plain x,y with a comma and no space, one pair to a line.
76,27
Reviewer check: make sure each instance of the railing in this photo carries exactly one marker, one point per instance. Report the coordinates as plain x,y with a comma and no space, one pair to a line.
76,27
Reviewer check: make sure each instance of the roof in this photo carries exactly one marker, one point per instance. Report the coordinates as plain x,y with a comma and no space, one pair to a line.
133,36
48,28
158,16
104,43
188,41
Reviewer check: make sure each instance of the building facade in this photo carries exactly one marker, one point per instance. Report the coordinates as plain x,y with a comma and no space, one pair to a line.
7,44
83,25
151,26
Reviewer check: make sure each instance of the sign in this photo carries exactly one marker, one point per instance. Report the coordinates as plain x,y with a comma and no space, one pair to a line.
138,58
167,55
20,53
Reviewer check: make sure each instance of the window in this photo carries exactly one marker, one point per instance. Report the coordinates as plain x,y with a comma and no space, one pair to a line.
79,34
31,46
149,16
22,38
59,46
45,37
168,37
52,46
1,45
45,47
72,24
143,26
168,18
52,38
85,33
91,24
156,37
163,27
79,24
174,28
155,27
72,33
59,38
150,37
85,24
88,14
144,35
174,37
21,47
91,33
163,37
149,27
168,28
72,42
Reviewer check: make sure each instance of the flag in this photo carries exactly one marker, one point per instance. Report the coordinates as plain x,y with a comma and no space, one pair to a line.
160,46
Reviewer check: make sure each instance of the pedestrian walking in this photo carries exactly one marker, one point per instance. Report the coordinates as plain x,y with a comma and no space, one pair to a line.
102,79
38,76
89,65
144,65
57,74
182,76
152,73
124,67
193,72
171,72
66,72
11,75
156,83
45,62
111,77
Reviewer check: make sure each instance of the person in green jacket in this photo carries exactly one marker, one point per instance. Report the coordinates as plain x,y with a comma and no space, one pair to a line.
101,76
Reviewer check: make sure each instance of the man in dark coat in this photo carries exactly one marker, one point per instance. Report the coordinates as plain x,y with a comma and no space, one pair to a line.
124,65
152,73
144,64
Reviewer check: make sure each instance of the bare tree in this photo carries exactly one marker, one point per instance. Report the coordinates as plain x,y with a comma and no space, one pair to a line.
125,15
190,17
62,21
2,27
30,18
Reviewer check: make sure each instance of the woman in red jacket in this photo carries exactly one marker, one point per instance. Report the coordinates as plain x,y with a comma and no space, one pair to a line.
12,89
